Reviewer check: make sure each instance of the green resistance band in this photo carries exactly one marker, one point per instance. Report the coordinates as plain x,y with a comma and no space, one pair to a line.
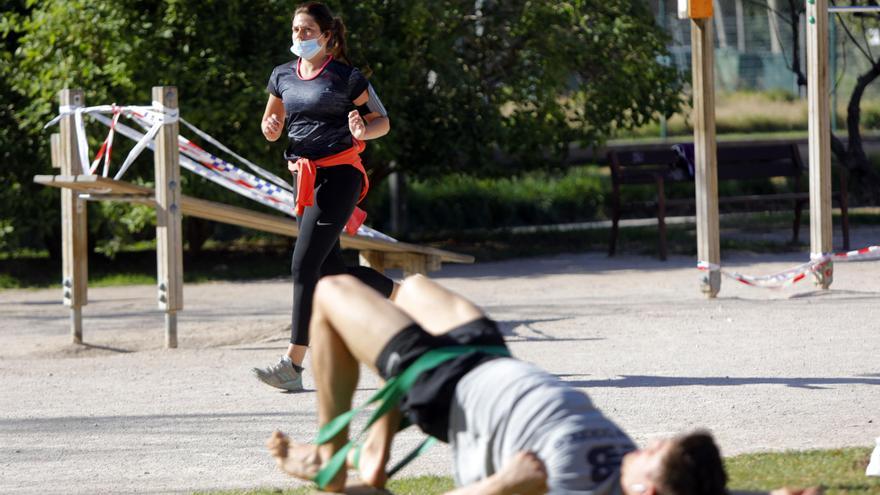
390,396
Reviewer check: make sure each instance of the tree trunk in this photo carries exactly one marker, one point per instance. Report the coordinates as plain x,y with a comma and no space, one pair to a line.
796,46
379,171
855,159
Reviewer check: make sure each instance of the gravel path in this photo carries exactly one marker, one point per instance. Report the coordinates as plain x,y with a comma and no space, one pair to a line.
764,370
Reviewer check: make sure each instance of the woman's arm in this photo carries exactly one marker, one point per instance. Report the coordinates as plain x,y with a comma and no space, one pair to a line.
372,125
273,118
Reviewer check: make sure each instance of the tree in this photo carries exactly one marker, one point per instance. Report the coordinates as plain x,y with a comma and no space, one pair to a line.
465,79
116,51
850,154
462,79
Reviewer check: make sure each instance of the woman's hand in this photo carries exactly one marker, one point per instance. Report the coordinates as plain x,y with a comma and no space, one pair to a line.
356,125
272,127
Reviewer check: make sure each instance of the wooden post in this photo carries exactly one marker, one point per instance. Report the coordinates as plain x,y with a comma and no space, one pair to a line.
74,227
819,136
706,173
169,240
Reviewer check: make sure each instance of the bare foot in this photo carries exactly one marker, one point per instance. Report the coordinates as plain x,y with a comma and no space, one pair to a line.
296,459
371,465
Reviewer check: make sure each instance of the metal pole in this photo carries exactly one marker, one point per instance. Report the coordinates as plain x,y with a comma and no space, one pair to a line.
853,9
662,15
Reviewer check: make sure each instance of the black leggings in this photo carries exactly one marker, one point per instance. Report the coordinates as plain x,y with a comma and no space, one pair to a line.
317,251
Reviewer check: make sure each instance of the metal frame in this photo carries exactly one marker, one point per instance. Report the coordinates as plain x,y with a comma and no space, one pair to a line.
853,9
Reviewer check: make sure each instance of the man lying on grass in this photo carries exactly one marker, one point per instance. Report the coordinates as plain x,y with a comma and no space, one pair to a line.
513,427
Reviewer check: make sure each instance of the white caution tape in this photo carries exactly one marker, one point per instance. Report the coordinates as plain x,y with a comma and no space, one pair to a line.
138,148
265,173
817,263
169,115
863,254
270,190
284,205
774,281
82,143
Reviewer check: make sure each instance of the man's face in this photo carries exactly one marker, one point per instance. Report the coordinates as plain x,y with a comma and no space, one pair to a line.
640,467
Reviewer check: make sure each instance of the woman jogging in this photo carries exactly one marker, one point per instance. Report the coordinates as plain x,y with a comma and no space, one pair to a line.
327,109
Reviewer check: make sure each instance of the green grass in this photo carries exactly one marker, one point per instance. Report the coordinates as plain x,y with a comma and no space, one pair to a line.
422,485
839,472
229,262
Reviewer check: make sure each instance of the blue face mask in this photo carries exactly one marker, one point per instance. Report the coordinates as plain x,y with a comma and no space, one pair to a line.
305,49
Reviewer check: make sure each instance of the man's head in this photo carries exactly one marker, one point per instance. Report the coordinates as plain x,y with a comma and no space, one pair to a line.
687,465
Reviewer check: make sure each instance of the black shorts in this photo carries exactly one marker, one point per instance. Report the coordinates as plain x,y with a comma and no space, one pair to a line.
427,402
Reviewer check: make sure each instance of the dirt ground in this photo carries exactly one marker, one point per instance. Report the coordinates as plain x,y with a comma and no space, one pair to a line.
764,370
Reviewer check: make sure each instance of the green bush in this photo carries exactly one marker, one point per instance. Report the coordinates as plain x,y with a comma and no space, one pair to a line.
458,202
870,115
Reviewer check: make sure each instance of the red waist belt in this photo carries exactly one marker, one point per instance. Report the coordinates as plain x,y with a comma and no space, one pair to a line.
307,169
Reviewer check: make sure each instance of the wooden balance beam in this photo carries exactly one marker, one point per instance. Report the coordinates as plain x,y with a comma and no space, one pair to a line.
380,254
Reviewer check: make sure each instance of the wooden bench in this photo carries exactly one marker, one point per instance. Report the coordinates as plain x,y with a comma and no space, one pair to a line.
661,166
380,254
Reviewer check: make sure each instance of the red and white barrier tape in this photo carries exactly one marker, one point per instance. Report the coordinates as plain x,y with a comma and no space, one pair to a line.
106,147
793,275
270,190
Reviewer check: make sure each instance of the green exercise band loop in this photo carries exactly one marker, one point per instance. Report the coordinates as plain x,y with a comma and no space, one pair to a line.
390,395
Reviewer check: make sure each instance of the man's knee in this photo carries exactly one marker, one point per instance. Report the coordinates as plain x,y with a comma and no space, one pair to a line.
332,289
411,288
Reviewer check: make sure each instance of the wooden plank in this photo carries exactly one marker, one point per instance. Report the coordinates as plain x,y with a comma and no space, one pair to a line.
219,212
169,231
819,135
93,184
275,224
74,224
410,263
373,259
705,155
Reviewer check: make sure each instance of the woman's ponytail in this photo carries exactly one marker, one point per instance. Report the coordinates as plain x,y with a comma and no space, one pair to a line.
339,48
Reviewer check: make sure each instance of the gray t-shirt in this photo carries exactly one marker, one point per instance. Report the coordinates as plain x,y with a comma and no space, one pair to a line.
505,406
316,109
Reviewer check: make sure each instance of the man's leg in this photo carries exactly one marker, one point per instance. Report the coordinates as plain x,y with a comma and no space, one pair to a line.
350,323
437,309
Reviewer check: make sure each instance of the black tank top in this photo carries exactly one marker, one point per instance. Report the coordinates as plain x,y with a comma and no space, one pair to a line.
317,109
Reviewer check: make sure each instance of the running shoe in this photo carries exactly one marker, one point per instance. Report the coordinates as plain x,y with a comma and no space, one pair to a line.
280,375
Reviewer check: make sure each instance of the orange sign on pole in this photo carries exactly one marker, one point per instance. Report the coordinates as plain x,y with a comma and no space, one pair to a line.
694,9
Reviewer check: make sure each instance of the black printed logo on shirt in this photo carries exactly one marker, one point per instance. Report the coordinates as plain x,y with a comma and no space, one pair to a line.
604,460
